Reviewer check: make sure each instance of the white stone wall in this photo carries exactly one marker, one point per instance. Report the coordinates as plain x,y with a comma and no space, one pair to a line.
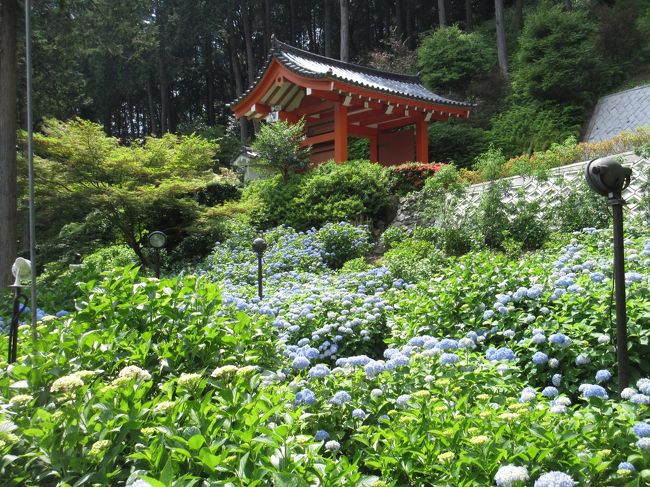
569,175
559,179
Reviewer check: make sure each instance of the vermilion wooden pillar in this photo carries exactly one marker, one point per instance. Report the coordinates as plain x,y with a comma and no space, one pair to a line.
374,148
421,140
340,133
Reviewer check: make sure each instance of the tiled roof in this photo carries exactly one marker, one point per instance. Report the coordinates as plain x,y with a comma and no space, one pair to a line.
312,65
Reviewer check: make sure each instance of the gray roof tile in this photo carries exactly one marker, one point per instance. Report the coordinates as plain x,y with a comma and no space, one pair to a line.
314,66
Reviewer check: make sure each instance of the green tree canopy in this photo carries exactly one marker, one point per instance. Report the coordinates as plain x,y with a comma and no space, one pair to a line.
139,188
558,61
450,59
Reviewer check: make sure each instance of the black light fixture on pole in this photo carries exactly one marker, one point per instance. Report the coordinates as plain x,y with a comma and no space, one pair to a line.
22,269
157,240
259,246
609,178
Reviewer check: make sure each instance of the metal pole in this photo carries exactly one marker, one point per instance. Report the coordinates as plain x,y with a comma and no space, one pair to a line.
13,327
157,263
617,202
259,275
30,161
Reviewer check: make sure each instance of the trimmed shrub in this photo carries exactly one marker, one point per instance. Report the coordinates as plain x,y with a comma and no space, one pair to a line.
271,201
411,176
357,191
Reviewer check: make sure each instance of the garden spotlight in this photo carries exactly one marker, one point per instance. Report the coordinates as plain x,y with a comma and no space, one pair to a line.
259,246
607,177
21,269
157,240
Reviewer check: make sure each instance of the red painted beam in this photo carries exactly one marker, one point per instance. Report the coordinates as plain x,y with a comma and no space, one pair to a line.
318,139
314,108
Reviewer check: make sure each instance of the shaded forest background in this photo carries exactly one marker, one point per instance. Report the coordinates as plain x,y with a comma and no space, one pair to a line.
151,66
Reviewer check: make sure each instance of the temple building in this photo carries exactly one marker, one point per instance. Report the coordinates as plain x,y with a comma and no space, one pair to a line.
340,100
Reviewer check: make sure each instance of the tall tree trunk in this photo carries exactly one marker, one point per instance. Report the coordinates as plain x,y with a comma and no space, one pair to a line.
8,206
267,25
442,13
468,14
567,5
327,27
410,25
293,29
519,14
152,114
164,94
398,19
501,39
345,30
239,89
248,42
209,80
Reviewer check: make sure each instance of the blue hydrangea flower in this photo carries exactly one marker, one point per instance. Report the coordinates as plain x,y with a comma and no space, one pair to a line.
644,385
300,362
374,368
359,414
341,397
593,390
626,466
641,430
554,479
402,401
540,358
550,392
560,339
640,399
321,435
488,314
582,359
643,443
556,380
528,394
597,276
603,375
448,344
320,370
538,338
449,359
306,396
498,354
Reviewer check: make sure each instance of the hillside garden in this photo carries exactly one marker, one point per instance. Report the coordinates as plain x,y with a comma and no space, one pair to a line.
427,367
473,347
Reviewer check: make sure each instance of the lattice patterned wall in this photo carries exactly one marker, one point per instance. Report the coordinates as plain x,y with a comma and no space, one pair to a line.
566,176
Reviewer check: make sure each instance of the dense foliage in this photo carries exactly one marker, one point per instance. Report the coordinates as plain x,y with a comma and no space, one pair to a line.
357,191
451,59
492,369
85,177
278,145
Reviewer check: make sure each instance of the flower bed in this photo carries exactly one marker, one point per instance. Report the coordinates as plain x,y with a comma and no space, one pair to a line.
495,371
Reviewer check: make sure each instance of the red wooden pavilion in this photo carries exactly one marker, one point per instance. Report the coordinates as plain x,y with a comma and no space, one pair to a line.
340,100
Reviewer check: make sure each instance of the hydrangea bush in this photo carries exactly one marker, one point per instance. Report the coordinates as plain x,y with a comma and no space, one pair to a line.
493,370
